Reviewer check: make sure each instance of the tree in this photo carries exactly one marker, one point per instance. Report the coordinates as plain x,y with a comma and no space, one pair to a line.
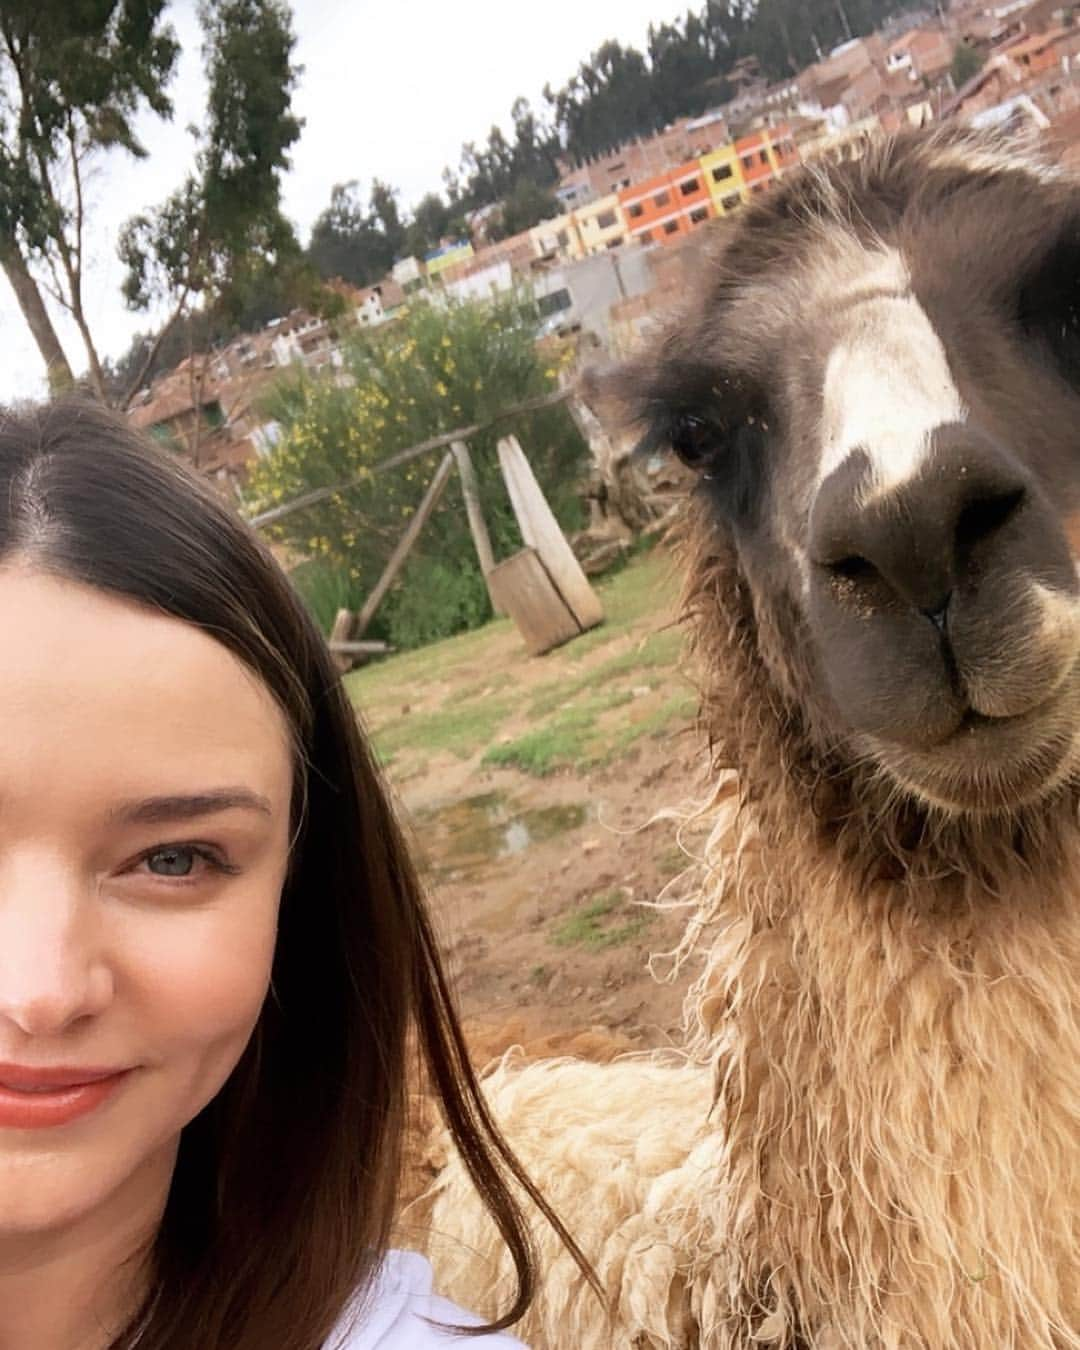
73,76
609,100
966,64
524,206
226,216
681,64
352,242
432,221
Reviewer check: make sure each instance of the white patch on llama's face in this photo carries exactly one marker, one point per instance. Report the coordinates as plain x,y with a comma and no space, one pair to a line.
887,384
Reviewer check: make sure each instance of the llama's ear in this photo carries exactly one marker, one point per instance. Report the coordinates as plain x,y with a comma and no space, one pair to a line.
609,388
620,394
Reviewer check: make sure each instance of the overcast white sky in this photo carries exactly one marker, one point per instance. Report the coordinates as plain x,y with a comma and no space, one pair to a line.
389,90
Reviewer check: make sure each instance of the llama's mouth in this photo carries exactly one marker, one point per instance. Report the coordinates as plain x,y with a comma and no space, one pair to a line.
992,764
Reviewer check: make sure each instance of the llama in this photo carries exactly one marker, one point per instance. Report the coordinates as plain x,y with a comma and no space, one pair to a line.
873,1139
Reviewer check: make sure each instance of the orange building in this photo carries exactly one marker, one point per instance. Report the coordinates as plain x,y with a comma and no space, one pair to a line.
668,205
765,155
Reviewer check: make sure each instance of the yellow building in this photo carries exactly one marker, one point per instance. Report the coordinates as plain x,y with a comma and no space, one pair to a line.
601,224
724,178
559,237
447,256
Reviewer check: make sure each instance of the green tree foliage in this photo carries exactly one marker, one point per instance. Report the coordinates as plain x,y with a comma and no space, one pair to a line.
681,64
74,74
526,204
607,101
354,242
966,64
437,369
225,221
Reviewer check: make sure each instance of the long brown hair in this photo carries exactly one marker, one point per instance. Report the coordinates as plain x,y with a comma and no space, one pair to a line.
286,1184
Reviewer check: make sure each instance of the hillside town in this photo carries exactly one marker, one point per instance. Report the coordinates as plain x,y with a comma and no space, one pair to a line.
616,254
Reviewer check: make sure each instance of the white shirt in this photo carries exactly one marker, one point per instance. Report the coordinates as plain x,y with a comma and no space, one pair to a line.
392,1318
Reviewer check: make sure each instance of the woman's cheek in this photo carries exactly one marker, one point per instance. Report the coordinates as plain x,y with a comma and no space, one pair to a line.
199,974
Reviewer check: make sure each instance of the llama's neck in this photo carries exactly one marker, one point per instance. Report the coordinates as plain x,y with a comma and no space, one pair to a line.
900,1086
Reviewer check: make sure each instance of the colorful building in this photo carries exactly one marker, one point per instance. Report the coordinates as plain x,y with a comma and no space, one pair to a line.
667,205
723,179
765,155
558,238
601,224
447,256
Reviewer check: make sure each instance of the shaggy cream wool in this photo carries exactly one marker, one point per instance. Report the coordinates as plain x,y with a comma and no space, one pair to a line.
892,1161
625,1146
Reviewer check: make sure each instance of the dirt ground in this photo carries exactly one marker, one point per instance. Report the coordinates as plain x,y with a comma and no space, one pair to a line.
501,918
542,883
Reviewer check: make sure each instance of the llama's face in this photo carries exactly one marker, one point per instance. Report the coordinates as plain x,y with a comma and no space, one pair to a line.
883,402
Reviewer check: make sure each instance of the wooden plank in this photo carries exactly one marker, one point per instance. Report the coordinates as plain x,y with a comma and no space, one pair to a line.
475,512
405,543
342,629
361,648
523,587
339,633
541,532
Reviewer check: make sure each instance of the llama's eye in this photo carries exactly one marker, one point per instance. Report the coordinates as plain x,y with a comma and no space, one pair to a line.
1049,309
694,439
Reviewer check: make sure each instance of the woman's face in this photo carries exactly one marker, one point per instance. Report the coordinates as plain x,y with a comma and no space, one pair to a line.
145,783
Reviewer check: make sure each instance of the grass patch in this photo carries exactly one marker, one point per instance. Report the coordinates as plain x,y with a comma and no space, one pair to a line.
645,587
597,924
680,708
459,730
672,861
579,737
388,679
568,739
658,649
465,692
546,749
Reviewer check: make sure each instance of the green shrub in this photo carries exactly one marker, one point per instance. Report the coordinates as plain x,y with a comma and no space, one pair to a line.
325,588
436,369
435,600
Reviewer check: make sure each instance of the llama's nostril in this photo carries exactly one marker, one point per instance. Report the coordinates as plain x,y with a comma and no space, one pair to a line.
983,515
938,614
854,569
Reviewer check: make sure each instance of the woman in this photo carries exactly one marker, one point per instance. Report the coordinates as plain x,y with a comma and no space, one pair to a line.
214,953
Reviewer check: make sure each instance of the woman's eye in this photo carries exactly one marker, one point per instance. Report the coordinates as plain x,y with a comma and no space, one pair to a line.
182,861
694,439
172,862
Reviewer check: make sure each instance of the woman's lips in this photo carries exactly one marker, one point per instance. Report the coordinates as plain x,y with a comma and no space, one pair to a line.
32,1099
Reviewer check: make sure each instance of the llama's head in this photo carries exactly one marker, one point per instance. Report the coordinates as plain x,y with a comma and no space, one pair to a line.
879,389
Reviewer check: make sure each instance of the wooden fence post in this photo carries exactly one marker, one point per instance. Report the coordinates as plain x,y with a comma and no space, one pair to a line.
475,513
405,543
540,531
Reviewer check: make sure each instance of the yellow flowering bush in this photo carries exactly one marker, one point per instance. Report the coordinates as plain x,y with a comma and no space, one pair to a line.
436,369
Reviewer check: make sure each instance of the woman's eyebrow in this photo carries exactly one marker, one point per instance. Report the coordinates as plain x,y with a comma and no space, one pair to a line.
186,806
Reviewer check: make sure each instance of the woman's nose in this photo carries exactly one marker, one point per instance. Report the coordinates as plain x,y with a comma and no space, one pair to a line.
54,970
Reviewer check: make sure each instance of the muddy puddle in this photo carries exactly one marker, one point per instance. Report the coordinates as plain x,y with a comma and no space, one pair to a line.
465,837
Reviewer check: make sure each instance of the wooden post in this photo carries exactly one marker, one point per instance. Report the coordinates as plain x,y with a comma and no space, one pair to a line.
473,509
530,597
342,627
469,491
540,531
405,544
